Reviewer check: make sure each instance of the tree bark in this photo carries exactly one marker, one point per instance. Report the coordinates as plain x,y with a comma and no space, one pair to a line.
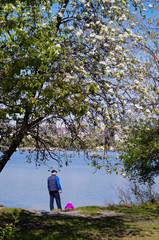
17,139
8,153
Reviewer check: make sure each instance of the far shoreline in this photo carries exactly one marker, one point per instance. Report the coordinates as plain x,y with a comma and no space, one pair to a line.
62,149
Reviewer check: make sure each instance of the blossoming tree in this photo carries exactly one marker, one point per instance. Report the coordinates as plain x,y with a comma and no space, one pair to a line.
74,61
141,149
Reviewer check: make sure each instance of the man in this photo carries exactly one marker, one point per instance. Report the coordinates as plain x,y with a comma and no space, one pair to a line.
54,188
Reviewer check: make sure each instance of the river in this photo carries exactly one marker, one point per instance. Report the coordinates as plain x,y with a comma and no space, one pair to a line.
24,185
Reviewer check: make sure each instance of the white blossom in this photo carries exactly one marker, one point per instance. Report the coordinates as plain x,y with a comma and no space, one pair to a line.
92,35
123,18
118,48
150,5
129,111
60,14
88,114
110,91
121,65
71,28
99,37
136,82
44,24
98,22
103,63
98,119
79,33
123,174
138,106
99,109
58,45
102,126
147,111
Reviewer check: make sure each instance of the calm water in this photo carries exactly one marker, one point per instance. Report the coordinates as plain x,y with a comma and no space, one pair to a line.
23,185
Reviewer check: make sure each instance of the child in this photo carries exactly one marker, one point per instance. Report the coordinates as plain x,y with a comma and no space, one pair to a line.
69,206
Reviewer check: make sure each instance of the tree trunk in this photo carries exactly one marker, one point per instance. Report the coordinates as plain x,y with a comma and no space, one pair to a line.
17,139
7,154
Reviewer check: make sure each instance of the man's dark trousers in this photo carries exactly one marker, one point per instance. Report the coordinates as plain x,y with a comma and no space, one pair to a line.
56,195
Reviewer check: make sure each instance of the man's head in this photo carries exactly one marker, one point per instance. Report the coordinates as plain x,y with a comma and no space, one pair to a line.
54,172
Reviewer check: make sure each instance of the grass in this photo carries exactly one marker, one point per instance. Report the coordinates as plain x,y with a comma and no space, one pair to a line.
91,210
139,222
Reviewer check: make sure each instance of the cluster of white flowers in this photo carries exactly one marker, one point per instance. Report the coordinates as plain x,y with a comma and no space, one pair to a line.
79,33
70,78
58,45
150,5
43,7
26,14
103,63
111,91
100,148
71,28
129,111
123,18
83,1
60,14
123,174
118,48
88,114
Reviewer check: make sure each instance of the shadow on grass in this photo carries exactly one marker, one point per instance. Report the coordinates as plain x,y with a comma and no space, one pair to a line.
32,227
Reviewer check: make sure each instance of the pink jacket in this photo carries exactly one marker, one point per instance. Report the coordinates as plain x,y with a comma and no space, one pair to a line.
69,206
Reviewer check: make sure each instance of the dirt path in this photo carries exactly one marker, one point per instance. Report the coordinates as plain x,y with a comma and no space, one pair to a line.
74,213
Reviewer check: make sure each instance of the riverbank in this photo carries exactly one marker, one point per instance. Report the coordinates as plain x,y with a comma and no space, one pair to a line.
88,223
111,149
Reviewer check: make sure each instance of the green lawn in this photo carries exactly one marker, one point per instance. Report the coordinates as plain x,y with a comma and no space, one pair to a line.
139,222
